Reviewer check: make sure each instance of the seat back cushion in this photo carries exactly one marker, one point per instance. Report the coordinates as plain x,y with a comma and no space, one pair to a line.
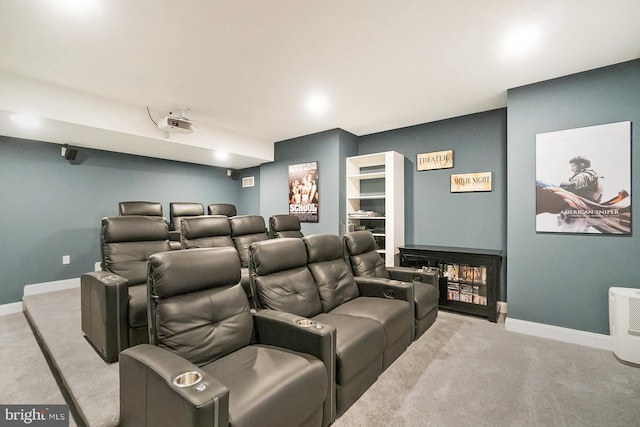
282,282
140,208
331,274
245,230
198,309
361,251
180,209
205,232
129,241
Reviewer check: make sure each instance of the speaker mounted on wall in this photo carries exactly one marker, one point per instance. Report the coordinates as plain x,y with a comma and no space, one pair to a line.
69,153
233,174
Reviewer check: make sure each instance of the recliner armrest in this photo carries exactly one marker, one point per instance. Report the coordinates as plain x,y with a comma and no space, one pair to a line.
385,288
287,330
148,395
414,275
104,298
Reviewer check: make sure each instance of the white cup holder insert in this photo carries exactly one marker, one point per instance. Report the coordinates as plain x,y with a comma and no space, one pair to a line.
187,379
305,323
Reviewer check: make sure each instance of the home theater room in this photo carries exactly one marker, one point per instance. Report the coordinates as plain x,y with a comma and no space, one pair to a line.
304,213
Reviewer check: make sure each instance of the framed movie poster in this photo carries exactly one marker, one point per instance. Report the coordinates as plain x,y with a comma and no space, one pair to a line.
583,180
303,191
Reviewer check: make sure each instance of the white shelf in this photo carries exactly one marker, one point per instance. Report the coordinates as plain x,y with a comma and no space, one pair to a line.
365,194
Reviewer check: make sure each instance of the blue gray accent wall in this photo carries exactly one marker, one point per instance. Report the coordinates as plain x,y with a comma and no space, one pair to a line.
52,208
248,202
561,279
329,149
434,215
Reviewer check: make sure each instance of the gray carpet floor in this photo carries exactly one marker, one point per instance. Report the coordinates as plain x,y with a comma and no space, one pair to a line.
25,375
464,371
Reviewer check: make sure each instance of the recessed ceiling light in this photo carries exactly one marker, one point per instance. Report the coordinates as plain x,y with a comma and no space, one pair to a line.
317,103
520,42
222,155
78,7
25,120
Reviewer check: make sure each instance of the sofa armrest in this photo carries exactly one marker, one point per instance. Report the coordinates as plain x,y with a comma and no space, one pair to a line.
303,335
385,288
104,298
414,275
149,396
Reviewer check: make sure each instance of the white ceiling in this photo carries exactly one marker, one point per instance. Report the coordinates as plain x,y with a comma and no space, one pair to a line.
246,68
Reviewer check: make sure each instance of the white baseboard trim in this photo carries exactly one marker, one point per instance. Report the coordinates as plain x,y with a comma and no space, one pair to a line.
11,308
574,336
58,285
39,288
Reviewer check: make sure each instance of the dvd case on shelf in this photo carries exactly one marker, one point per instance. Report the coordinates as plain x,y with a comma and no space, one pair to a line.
453,291
466,293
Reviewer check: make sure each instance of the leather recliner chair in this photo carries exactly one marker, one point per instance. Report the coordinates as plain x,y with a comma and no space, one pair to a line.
360,248
114,301
179,210
308,277
225,209
213,362
285,226
210,232
205,232
245,230
148,209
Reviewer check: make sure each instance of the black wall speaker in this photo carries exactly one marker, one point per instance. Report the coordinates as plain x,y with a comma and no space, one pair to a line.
71,154
233,174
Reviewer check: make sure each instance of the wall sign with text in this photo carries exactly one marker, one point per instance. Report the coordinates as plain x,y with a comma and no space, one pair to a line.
467,182
435,160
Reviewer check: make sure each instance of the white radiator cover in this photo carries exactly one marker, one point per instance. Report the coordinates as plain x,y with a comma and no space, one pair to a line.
624,323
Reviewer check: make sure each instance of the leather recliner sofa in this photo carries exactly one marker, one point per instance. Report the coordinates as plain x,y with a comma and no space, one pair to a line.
114,301
213,362
309,277
360,248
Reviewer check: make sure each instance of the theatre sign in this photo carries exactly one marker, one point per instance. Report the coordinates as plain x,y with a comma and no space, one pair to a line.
435,160
466,182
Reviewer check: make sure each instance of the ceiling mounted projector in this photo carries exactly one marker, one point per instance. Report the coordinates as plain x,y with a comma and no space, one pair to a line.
176,124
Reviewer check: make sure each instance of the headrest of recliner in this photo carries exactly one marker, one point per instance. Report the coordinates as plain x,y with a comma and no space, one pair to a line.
134,229
185,209
140,208
247,224
270,256
225,209
205,226
180,272
284,222
323,247
359,242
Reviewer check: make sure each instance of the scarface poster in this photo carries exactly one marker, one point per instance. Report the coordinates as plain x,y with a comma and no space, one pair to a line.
303,191
583,180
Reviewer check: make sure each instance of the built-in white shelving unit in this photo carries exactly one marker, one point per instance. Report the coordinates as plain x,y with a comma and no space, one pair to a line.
375,199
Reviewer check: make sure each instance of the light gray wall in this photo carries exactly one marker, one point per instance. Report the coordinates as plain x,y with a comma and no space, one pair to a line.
561,279
329,150
52,208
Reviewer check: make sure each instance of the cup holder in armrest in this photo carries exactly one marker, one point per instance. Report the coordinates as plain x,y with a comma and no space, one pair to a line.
305,323
187,379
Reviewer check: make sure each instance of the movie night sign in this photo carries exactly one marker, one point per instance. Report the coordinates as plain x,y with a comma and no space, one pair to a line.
478,181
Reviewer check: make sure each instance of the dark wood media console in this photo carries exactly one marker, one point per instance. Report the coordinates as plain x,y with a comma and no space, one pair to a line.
469,278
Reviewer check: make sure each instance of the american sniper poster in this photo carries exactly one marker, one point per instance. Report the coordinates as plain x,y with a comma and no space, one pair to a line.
303,191
583,180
